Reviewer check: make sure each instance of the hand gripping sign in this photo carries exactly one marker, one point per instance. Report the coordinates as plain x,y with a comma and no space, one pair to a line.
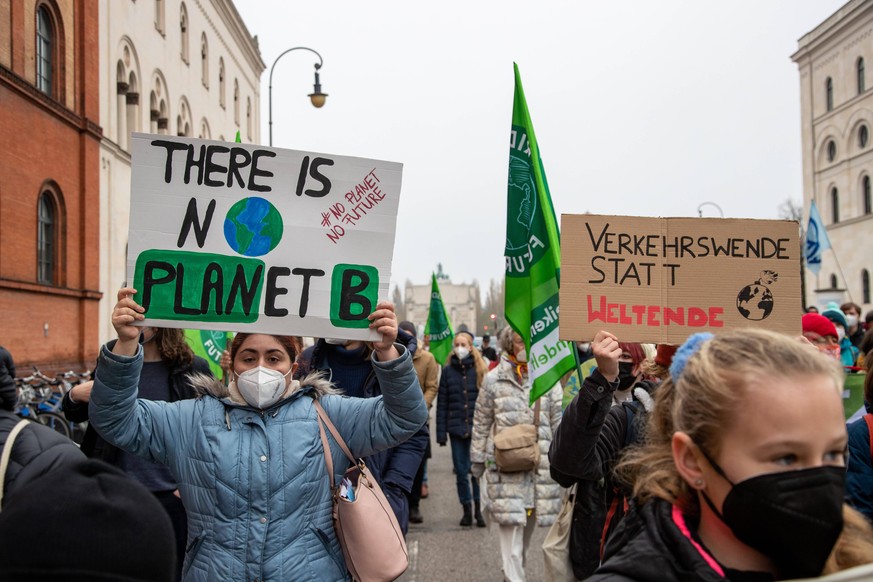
246,238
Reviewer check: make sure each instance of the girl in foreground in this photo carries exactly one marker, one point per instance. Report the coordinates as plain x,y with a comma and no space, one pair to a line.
742,477
248,458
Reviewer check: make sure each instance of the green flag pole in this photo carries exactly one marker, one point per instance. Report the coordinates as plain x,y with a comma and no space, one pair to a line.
533,256
438,328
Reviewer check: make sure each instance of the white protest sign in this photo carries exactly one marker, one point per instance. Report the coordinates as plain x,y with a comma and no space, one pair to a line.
246,238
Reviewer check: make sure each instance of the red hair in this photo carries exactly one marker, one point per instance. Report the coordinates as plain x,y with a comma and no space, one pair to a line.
635,351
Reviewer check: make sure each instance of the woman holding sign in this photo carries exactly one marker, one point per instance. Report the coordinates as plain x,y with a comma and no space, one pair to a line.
735,482
248,458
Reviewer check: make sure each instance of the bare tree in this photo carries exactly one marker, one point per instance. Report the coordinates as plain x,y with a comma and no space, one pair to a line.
399,306
791,210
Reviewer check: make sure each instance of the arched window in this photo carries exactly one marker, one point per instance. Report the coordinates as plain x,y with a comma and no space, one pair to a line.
865,286
46,245
867,196
859,69
834,281
45,47
832,150
829,94
249,118
221,88
183,25
204,60
204,129
863,136
835,205
183,120
159,15
236,102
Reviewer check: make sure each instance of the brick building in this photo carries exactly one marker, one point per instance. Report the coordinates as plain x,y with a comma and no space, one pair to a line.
49,182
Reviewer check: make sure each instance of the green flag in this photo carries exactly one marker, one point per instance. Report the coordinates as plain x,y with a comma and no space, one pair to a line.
238,137
438,328
533,256
209,345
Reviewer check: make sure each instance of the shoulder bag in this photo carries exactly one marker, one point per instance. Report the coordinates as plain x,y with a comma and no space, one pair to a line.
517,448
365,524
7,453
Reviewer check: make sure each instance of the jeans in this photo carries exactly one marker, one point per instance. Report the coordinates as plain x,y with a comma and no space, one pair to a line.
461,461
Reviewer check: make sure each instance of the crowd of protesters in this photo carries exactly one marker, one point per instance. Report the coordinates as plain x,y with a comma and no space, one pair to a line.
693,461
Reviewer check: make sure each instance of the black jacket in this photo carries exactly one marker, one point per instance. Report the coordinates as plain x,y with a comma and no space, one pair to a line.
8,391
395,468
456,401
93,444
584,451
37,450
656,543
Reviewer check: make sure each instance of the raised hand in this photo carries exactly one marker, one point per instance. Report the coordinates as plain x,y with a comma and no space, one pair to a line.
606,353
384,321
124,315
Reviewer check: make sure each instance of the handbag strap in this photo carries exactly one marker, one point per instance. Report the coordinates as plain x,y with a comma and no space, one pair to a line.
324,419
7,453
537,414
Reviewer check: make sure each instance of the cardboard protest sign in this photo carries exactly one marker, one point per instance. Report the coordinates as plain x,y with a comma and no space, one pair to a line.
663,279
238,237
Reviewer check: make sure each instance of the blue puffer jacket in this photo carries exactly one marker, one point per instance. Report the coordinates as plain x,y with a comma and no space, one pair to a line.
253,483
859,473
457,399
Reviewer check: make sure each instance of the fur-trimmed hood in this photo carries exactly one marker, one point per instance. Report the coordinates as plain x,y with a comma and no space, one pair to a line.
316,382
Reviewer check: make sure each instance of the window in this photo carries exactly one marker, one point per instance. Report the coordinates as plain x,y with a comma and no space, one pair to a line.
45,239
249,118
183,25
44,50
159,15
834,282
863,136
221,98
835,205
236,102
204,60
183,120
832,150
829,94
865,286
867,198
859,69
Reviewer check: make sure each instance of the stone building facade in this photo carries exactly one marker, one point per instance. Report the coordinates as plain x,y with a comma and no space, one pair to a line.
461,301
835,61
178,67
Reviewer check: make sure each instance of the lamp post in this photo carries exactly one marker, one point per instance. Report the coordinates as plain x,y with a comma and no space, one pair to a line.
702,204
317,98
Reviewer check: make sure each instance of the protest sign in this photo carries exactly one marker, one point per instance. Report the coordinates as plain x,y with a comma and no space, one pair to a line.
245,238
662,279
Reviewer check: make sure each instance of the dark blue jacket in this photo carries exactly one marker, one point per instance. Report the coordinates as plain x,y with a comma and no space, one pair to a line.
395,468
859,474
457,399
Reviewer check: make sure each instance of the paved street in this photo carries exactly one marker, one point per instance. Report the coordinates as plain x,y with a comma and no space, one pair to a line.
441,550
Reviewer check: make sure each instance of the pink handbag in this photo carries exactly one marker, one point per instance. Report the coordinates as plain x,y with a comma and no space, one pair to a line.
366,527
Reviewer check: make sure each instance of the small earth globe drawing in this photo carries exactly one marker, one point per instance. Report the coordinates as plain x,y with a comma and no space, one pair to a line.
253,227
755,301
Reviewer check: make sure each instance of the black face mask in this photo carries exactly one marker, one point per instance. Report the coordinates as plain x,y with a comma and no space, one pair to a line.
794,518
626,376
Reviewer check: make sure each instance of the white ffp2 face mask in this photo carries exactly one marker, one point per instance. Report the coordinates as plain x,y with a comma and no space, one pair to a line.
462,352
521,356
261,387
336,341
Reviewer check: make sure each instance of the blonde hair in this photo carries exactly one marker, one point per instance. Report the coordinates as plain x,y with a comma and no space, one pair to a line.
710,392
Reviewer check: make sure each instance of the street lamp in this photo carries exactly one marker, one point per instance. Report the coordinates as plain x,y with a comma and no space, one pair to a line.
702,204
317,98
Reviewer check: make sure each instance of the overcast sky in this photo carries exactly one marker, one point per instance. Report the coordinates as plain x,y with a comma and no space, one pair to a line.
641,108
